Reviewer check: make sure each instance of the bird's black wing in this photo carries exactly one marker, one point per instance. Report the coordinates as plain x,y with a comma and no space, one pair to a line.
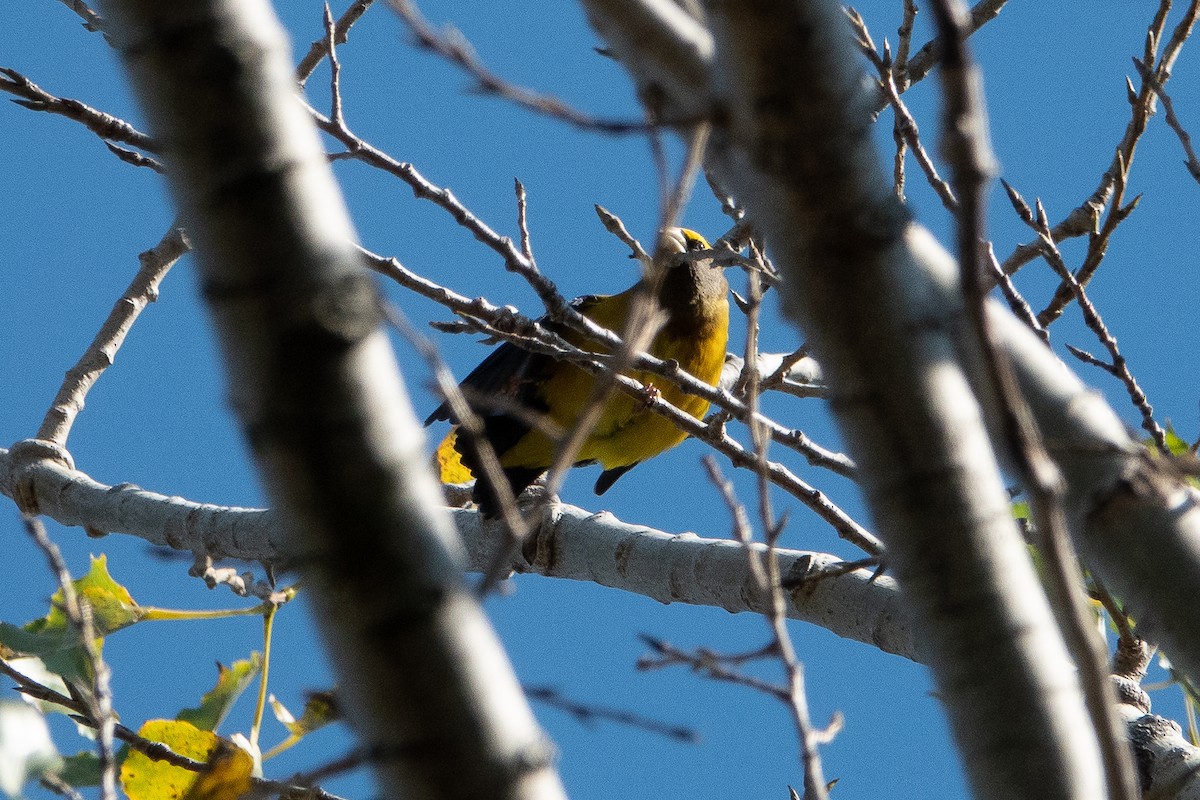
508,371
511,372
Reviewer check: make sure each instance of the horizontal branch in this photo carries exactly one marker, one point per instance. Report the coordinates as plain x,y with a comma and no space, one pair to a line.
570,543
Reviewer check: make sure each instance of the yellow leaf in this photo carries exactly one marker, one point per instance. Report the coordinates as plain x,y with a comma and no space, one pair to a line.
226,776
143,778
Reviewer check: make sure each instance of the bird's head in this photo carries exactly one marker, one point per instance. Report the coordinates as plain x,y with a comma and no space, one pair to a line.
682,240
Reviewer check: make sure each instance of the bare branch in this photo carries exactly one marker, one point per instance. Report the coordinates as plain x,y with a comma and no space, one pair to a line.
102,352
453,46
320,48
1118,173
106,126
1091,316
1192,163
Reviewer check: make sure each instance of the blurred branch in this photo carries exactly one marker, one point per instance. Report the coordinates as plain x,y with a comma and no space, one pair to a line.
882,310
453,46
764,569
667,51
96,698
314,382
966,146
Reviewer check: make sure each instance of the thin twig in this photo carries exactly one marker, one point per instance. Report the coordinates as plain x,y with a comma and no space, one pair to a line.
765,569
523,222
906,124
1019,305
929,54
587,713
335,70
106,126
102,352
471,426
320,48
1091,316
1118,173
136,159
1192,163
1088,358
92,21
904,41
454,47
98,697
710,664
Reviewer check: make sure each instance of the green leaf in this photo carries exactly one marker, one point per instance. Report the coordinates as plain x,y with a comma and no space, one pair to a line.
62,651
81,769
113,607
1175,444
57,643
231,682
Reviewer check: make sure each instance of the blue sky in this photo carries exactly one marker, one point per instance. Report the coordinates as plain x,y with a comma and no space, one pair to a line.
74,219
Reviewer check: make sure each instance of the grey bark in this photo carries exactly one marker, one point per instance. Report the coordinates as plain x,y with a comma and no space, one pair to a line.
313,380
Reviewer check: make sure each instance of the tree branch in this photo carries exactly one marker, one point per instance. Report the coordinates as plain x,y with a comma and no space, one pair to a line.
317,390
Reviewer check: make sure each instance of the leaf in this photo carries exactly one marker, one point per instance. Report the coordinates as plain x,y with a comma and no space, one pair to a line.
58,644
61,651
113,607
143,778
81,769
226,776
319,710
1020,510
1175,444
25,747
231,682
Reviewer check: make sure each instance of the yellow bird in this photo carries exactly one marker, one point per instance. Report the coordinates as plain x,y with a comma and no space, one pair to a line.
693,294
